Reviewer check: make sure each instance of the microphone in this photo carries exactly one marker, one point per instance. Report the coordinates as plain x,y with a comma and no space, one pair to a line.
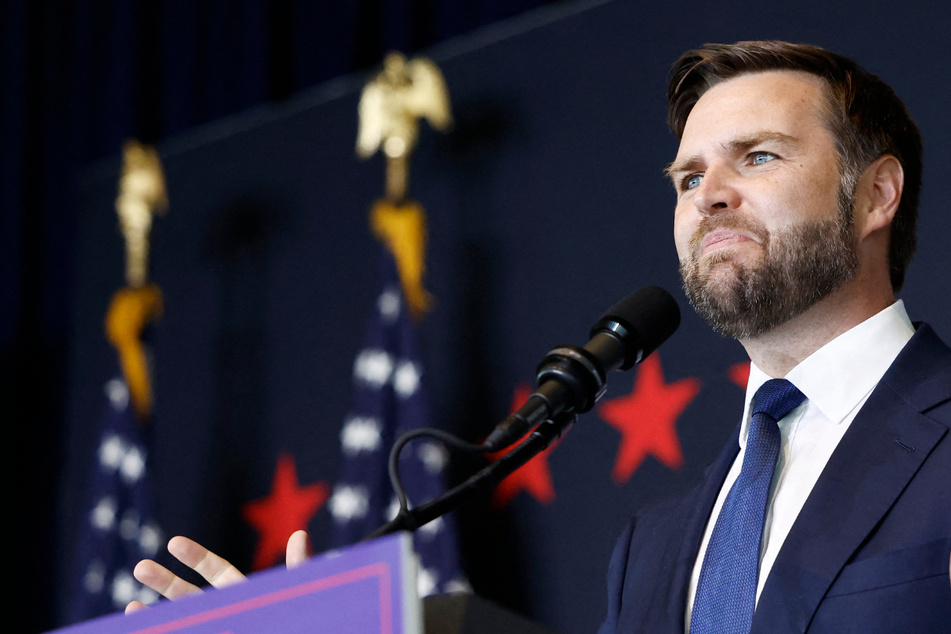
572,379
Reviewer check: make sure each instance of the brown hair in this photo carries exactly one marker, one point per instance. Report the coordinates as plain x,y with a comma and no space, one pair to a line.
865,116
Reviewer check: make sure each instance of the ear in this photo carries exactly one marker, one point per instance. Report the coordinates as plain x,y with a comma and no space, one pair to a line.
881,186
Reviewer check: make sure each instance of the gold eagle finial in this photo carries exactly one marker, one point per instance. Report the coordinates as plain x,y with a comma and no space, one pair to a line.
390,108
142,194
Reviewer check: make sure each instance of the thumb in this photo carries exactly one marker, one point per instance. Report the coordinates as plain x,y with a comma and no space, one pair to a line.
135,606
298,549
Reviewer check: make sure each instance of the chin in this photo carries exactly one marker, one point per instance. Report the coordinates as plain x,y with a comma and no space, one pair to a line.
720,275
743,254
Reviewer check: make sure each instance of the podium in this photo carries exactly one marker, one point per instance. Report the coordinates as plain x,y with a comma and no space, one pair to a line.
367,588
464,613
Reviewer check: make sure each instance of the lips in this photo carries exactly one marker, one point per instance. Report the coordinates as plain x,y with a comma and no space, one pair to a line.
722,238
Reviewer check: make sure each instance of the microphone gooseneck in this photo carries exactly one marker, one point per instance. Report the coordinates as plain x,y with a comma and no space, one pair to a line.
572,379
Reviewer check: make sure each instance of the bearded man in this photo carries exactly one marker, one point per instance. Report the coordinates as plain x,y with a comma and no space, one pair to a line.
797,180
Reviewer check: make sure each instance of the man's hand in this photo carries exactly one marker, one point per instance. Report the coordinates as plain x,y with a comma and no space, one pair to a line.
215,570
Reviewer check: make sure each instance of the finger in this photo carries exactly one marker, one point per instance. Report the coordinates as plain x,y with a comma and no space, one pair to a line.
216,571
162,580
135,606
298,549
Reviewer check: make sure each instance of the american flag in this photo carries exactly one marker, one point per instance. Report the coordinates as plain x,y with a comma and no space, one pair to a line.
118,526
389,399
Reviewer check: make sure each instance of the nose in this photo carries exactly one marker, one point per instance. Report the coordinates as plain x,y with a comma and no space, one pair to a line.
716,192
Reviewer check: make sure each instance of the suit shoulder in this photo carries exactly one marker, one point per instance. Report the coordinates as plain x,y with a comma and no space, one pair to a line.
921,374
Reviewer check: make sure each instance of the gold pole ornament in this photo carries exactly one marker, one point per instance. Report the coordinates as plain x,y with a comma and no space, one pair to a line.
403,230
142,195
391,105
130,311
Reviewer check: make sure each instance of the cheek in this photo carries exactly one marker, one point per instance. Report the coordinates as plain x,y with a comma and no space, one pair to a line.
684,227
810,197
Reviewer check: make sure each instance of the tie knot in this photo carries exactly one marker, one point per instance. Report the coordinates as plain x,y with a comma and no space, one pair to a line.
776,398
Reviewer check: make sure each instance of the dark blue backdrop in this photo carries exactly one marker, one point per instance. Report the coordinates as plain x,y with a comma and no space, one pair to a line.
546,204
79,77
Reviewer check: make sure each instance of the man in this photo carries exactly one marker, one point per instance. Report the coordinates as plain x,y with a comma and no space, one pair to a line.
797,182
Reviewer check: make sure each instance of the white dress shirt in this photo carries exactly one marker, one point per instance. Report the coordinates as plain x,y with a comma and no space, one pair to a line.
837,379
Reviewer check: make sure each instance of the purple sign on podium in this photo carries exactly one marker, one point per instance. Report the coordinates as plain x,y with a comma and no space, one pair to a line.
366,588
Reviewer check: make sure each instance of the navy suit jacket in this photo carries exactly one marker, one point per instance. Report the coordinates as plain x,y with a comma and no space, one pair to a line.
869,551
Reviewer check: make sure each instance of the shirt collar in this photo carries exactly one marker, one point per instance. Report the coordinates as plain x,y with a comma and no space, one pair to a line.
863,354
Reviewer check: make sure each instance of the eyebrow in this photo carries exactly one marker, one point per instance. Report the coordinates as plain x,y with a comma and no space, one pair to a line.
735,146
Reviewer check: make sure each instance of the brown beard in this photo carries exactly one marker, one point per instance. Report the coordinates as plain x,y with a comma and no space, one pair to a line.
799,267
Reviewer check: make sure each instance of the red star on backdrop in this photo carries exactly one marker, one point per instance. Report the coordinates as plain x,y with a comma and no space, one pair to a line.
533,477
288,508
739,373
647,419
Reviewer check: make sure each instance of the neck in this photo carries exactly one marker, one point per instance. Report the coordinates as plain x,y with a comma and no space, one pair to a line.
784,347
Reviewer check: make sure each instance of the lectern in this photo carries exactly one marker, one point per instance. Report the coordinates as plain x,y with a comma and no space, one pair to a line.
367,588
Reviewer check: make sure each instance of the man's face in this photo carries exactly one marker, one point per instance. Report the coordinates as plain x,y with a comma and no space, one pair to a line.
760,229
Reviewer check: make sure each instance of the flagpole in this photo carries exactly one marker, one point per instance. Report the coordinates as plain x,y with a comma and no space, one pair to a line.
142,196
389,378
119,526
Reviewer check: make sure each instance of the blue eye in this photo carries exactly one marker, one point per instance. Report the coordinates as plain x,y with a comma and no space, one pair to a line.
692,181
758,158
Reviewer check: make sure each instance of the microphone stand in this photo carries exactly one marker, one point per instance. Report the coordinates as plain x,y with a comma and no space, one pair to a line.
484,480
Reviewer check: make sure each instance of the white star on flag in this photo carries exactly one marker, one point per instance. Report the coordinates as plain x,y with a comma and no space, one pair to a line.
95,577
118,394
150,539
430,529
133,465
129,525
348,502
434,457
373,367
406,379
389,303
116,454
104,514
147,595
393,508
457,585
426,582
111,452
124,588
360,433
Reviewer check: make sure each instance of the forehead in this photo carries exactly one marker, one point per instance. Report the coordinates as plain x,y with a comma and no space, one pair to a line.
789,102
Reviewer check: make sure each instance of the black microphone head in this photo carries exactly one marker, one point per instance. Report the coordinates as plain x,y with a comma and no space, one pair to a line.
641,321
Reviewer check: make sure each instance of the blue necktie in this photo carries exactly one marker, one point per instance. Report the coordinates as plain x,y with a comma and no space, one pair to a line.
726,592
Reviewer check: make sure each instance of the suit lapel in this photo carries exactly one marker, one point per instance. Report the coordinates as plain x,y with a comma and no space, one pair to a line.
885,446
698,509
663,548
